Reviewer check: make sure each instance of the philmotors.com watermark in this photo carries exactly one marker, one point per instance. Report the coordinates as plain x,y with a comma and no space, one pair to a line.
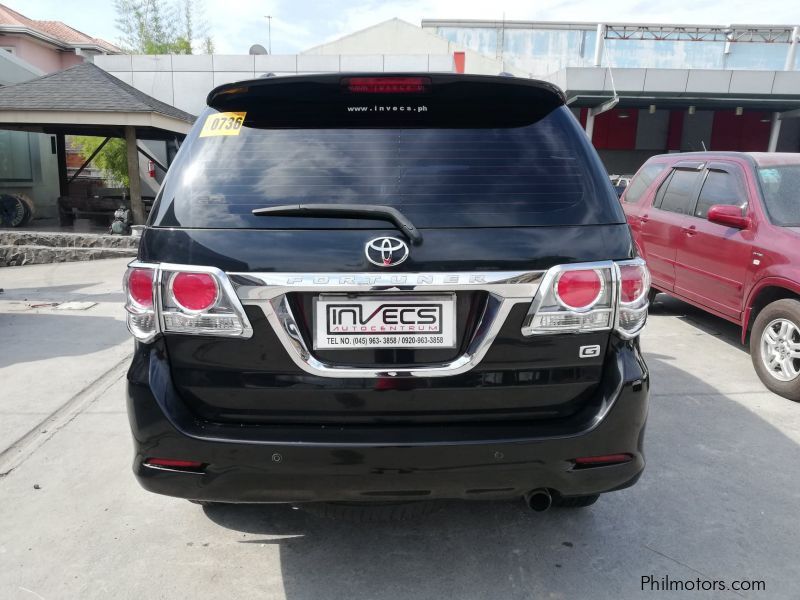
665,583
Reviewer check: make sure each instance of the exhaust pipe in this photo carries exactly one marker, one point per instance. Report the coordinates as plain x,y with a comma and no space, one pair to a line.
539,500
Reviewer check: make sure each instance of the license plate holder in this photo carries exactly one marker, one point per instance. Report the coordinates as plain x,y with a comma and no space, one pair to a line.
364,321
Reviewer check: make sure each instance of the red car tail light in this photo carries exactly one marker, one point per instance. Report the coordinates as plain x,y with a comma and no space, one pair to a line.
591,297
177,299
633,283
573,299
201,301
194,292
387,85
579,290
633,289
140,286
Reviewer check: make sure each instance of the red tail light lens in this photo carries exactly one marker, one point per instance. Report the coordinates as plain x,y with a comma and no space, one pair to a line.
579,289
632,283
194,292
140,287
387,85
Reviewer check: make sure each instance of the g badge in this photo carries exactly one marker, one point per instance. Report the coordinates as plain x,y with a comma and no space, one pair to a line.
589,351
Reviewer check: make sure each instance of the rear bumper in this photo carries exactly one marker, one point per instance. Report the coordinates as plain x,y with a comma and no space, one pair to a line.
284,463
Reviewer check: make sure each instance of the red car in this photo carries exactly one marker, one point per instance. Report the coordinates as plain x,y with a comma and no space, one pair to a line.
721,230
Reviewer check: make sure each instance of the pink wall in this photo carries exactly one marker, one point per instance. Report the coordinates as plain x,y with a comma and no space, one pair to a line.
46,58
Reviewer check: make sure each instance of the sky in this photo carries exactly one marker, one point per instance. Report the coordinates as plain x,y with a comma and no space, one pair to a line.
300,24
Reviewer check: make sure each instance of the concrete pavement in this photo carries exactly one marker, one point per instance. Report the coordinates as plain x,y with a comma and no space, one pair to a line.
718,500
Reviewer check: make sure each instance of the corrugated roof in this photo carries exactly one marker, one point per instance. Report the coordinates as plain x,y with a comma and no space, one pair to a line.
83,88
56,30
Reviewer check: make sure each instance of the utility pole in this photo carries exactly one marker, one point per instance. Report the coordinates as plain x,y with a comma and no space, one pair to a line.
269,33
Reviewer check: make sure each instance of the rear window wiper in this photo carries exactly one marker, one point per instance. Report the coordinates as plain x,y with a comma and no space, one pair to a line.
353,211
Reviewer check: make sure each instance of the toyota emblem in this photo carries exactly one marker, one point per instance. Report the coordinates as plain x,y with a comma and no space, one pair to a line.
386,251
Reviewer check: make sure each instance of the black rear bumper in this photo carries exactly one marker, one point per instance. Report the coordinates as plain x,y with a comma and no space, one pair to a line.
288,463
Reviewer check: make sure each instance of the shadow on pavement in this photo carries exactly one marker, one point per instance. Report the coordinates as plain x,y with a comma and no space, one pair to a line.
718,327
60,293
33,336
719,491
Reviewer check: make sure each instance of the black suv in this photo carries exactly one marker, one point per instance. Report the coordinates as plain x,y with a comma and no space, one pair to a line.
361,288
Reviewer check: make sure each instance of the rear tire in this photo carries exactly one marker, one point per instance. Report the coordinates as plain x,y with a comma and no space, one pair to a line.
575,501
370,512
775,338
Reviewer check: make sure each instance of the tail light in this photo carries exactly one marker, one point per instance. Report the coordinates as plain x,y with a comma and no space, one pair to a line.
139,284
579,290
194,292
591,297
634,285
194,300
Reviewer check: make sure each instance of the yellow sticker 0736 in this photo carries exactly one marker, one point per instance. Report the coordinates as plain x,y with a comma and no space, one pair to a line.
224,123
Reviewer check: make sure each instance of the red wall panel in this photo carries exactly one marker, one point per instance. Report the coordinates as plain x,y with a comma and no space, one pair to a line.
675,130
616,129
748,132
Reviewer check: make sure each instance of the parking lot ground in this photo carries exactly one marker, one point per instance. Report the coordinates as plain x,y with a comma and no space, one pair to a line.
718,501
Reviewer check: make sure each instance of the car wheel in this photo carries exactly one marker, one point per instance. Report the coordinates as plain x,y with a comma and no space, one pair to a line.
575,501
775,347
370,512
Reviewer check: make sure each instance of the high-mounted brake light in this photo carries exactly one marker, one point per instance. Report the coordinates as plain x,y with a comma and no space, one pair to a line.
387,85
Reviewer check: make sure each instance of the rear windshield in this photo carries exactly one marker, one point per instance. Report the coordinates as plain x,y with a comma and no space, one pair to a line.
780,185
488,170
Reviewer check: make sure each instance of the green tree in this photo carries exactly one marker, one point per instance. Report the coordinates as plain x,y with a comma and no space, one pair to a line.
112,159
162,26
148,27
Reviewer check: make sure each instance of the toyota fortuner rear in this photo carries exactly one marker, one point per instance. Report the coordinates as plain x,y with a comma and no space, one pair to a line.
387,288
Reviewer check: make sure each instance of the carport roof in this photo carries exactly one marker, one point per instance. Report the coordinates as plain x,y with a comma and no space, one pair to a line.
86,95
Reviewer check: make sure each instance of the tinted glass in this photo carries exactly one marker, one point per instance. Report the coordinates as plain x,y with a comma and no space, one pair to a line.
720,188
678,193
781,188
542,173
641,182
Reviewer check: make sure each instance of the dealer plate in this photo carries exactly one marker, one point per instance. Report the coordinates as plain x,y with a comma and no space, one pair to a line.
368,321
